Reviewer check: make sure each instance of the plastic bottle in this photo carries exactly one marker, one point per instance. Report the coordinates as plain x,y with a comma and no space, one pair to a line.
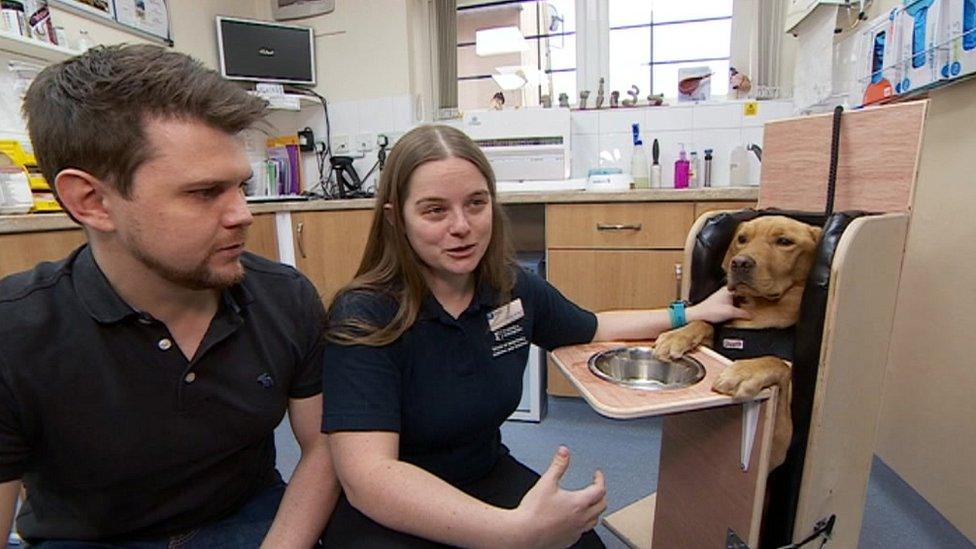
707,171
693,170
84,41
738,167
655,166
681,169
638,161
14,18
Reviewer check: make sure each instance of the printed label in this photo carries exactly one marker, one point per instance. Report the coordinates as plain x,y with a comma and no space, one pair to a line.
729,343
505,315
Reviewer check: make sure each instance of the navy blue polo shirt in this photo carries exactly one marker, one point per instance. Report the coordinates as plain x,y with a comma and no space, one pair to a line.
116,434
446,385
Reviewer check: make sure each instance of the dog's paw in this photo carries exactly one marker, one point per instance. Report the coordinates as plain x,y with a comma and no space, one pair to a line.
745,378
679,342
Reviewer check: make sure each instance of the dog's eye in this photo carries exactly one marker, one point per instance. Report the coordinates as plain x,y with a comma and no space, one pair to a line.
783,241
742,239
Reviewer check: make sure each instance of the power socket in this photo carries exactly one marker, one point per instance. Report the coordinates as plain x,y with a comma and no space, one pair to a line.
341,144
365,142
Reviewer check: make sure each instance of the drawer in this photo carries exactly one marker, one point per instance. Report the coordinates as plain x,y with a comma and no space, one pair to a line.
602,280
631,225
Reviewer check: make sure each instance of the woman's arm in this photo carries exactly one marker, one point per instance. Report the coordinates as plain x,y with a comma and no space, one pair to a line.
313,489
648,324
406,498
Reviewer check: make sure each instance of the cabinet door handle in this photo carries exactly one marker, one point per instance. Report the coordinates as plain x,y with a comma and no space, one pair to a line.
300,231
618,227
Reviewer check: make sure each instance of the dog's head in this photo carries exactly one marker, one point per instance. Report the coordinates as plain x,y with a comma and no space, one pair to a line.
769,255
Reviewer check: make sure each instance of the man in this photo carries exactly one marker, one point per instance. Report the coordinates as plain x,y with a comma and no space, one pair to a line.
142,377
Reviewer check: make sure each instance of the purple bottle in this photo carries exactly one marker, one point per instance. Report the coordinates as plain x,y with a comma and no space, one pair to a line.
681,169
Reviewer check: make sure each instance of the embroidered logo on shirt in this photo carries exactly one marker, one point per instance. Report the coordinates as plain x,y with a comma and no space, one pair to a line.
508,338
266,380
505,315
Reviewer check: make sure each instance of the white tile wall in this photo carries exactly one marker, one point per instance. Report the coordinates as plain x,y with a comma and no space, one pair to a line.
598,137
718,126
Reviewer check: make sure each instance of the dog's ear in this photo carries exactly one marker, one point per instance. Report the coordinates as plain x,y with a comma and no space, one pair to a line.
728,250
815,232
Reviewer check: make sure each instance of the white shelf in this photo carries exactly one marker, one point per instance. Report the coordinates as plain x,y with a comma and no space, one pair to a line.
291,97
34,49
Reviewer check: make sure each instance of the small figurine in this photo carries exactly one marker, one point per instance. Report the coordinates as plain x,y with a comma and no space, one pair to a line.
546,101
584,95
633,92
614,99
564,100
655,100
599,94
497,101
739,82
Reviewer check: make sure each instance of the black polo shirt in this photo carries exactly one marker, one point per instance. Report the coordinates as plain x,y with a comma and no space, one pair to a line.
446,385
113,431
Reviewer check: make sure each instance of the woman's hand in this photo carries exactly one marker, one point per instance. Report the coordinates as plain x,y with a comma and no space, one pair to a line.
718,307
552,517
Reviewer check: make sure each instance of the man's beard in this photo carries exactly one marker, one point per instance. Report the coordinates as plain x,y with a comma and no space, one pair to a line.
200,277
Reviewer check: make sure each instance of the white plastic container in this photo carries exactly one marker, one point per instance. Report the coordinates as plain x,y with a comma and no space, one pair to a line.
738,167
15,192
919,23
638,161
958,41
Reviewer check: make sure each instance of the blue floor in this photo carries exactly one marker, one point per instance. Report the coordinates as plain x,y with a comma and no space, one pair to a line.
627,452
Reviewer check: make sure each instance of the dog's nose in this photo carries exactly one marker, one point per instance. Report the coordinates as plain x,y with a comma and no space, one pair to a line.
742,264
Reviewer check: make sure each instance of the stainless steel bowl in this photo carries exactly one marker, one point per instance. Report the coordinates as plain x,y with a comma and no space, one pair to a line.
636,367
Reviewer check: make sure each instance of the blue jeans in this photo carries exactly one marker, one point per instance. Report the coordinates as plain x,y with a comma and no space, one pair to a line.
244,529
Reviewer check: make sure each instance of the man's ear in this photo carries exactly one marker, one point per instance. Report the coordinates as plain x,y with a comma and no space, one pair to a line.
84,197
388,214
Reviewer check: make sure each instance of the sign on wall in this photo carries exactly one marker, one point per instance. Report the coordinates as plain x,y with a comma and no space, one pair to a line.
147,17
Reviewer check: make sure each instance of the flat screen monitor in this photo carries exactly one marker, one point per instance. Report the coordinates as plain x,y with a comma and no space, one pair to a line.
260,51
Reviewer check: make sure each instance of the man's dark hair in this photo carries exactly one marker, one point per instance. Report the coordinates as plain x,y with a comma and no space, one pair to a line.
89,111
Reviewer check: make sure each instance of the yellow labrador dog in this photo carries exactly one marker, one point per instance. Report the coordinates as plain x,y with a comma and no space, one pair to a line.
767,266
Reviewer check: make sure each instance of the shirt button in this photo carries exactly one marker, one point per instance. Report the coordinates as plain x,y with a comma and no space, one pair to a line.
190,377
164,344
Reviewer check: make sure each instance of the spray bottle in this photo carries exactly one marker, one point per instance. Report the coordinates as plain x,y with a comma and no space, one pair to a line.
638,161
693,171
681,167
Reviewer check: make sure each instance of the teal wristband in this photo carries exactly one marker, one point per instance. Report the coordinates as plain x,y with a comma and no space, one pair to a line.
676,311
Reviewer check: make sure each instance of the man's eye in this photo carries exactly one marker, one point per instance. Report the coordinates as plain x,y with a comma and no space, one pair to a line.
783,241
434,210
208,192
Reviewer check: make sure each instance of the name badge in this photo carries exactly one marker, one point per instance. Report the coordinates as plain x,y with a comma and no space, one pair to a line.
505,315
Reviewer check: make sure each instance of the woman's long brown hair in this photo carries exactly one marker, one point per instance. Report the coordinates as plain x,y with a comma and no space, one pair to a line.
390,266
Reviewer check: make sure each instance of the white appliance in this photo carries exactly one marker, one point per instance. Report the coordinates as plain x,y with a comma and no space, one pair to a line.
529,149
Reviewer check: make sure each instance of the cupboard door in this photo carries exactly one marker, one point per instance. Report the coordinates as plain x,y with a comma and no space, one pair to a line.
329,246
262,237
22,251
602,280
631,225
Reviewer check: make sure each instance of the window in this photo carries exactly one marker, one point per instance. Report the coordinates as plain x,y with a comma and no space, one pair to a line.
631,42
545,66
650,40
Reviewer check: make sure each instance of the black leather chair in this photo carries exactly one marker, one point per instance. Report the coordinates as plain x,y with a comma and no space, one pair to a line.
714,237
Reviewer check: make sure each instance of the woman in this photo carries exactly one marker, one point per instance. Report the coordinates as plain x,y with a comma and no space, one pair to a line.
426,352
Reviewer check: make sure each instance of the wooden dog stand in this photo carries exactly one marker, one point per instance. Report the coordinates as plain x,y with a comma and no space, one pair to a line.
705,494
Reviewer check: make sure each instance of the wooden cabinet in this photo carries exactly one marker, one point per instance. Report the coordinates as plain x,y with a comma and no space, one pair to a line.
22,251
329,246
262,237
618,256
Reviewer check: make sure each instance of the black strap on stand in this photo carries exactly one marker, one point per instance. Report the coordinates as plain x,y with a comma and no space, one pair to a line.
834,149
